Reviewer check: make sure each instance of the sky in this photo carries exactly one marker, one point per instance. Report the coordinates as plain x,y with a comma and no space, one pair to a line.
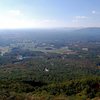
49,13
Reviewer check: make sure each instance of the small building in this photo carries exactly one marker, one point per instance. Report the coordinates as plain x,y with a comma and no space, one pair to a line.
46,70
19,57
85,49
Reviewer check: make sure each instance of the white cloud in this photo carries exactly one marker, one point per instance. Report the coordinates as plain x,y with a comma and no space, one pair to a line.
81,17
15,20
78,19
15,13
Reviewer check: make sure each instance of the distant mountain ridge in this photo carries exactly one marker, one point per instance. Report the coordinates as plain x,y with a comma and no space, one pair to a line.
82,34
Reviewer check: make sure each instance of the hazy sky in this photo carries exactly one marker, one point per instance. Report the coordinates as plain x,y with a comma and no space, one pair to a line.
49,13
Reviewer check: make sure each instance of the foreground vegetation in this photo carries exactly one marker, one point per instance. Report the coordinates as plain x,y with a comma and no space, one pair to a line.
28,80
70,90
